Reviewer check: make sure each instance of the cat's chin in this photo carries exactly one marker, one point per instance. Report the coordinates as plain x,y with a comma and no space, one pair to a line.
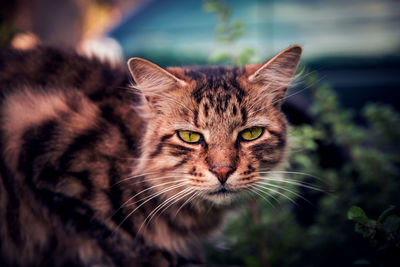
222,196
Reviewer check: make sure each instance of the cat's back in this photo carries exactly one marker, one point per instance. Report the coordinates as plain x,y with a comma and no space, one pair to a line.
67,125
77,93
45,66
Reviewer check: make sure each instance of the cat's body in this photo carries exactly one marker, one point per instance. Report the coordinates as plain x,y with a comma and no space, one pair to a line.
85,159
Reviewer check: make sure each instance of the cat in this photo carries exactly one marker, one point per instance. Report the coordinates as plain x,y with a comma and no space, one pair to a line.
111,166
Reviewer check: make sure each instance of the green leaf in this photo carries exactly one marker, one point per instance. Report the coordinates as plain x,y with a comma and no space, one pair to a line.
355,213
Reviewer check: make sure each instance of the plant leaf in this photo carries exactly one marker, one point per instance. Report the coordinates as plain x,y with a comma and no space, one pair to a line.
385,213
355,213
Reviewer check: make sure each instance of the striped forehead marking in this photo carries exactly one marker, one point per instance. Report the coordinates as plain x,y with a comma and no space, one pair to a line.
217,83
218,92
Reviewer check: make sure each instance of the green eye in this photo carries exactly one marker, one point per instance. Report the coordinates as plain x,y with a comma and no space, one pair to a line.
251,133
189,137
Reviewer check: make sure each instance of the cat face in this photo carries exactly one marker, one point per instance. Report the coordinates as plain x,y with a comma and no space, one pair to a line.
211,129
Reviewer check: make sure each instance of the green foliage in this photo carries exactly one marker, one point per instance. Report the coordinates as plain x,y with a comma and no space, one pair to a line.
227,32
383,233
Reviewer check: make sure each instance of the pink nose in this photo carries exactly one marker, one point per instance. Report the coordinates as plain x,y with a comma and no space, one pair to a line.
222,173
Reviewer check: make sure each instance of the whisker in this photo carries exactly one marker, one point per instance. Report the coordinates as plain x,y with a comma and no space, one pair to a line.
155,195
255,102
152,179
187,201
293,172
284,179
254,190
209,208
286,189
149,188
152,194
277,192
160,206
181,195
290,95
301,90
302,184
268,194
154,186
145,174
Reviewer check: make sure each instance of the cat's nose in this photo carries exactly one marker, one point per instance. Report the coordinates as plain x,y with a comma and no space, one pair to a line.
222,173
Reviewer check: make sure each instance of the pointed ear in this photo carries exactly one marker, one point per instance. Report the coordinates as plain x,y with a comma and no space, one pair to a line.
275,75
150,78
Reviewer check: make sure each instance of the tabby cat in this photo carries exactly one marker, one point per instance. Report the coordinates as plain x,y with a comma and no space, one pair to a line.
102,168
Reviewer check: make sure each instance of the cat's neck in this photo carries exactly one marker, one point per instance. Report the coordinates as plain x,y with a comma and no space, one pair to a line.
180,229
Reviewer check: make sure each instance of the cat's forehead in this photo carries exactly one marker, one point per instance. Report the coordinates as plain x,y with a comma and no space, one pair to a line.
213,73
214,82
217,94
215,77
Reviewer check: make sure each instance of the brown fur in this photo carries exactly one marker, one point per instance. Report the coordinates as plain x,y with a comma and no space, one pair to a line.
93,171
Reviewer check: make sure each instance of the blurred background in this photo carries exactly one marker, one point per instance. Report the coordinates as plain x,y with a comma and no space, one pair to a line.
338,204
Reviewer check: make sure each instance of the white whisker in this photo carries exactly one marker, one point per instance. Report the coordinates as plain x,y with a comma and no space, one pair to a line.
160,206
155,195
285,189
149,188
292,172
181,195
153,179
302,184
254,190
154,186
187,201
275,191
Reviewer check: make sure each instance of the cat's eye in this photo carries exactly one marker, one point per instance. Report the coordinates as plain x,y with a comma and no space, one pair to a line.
251,133
189,136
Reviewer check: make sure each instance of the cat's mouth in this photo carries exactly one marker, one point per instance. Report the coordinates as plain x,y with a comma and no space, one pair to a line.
222,191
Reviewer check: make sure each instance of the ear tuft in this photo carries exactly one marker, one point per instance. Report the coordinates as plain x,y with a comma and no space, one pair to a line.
271,79
279,70
150,78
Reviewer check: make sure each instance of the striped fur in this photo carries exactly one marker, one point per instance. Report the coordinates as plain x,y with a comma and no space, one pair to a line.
86,160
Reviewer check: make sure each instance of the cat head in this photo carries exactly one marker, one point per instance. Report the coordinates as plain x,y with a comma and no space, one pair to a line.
211,129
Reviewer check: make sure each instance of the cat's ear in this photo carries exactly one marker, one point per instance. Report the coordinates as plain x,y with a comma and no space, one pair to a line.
274,76
151,79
